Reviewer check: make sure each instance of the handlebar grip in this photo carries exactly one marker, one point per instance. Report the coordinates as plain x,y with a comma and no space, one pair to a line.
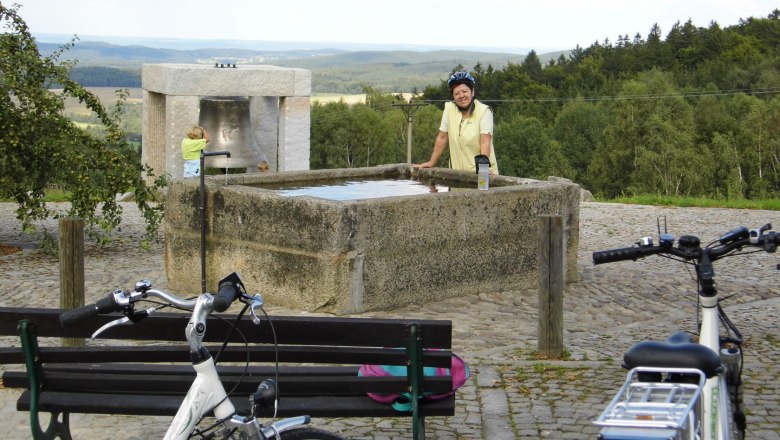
612,255
228,291
72,317
103,306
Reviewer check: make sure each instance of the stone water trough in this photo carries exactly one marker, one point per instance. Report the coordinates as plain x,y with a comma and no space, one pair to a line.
347,256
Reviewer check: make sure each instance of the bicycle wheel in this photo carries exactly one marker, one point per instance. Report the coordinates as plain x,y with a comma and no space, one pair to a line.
308,433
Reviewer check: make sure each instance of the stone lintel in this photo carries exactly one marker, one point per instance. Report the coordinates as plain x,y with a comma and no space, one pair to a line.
207,80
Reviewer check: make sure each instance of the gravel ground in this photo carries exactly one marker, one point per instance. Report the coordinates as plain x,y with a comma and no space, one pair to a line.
511,394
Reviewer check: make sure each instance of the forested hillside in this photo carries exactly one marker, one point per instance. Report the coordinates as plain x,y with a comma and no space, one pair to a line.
333,71
693,112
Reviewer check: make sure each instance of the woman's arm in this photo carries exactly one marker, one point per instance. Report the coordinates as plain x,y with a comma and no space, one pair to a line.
441,142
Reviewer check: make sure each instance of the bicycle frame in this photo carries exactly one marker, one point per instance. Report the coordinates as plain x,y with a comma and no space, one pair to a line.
205,393
715,396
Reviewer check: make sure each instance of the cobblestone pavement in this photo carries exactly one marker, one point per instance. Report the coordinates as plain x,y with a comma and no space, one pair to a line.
511,394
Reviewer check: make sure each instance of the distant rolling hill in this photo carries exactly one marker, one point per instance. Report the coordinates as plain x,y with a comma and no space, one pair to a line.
333,70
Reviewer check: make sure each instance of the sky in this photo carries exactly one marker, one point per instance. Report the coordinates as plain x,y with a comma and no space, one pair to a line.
447,24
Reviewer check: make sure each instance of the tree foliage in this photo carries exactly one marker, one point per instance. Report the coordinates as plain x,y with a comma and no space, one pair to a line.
42,149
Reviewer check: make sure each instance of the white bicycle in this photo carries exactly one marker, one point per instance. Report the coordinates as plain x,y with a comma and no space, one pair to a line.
207,394
679,389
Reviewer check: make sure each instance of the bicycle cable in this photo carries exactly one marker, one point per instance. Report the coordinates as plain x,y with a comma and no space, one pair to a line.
276,356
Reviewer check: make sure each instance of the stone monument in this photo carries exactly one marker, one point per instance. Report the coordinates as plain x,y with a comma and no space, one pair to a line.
279,107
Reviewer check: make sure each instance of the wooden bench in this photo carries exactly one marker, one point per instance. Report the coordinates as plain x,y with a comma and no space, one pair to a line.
319,358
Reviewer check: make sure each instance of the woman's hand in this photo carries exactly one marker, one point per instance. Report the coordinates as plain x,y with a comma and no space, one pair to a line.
428,164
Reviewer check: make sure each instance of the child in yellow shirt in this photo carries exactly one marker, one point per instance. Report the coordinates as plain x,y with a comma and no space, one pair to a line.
191,146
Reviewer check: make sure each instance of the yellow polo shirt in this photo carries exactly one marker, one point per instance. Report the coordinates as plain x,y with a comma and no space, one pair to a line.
464,135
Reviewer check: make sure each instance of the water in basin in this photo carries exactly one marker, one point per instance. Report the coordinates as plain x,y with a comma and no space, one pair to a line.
368,189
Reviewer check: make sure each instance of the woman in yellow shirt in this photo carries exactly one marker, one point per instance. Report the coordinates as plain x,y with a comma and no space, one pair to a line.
466,127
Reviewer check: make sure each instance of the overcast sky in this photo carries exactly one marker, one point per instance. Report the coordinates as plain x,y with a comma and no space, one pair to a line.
538,24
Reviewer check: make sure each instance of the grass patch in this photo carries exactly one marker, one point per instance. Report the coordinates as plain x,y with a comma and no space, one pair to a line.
698,202
52,195
530,353
558,371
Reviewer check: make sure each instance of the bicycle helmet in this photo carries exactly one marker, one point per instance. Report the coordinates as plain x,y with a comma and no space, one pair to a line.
461,78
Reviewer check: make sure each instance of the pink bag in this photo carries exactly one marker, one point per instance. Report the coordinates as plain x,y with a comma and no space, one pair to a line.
402,401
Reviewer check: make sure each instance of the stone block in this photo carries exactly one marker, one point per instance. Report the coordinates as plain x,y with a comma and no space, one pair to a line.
341,257
207,80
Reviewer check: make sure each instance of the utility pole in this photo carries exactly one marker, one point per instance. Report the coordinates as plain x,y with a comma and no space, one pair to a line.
409,110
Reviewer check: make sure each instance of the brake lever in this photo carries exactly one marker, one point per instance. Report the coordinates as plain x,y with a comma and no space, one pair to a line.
131,318
257,303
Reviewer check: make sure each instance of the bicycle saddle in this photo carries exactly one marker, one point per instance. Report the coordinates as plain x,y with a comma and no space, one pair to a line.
677,352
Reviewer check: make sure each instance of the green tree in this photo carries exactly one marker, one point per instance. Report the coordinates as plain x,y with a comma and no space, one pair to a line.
760,148
532,66
648,145
666,158
328,123
727,173
41,148
347,136
588,78
373,141
524,149
578,128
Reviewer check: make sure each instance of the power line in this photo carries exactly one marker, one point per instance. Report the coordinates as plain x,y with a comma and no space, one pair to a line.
715,93
628,97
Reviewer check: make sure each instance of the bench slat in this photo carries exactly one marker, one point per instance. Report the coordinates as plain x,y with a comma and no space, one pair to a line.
365,332
142,382
161,369
161,405
235,353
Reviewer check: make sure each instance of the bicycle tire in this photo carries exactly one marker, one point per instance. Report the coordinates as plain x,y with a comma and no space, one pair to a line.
308,433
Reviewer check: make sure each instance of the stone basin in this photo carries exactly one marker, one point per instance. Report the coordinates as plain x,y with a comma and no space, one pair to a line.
348,256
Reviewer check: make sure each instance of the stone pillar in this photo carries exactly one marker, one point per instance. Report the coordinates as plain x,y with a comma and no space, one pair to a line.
265,120
153,122
294,129
182,113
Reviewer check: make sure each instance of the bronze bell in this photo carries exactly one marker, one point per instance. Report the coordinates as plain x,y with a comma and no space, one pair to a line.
227,121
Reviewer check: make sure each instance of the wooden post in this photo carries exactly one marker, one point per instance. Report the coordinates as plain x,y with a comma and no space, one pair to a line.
71,269
551,256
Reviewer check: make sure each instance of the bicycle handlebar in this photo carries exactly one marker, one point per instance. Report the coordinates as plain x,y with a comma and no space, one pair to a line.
689,249
123,301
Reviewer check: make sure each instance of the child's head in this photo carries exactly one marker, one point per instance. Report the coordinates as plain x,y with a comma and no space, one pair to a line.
196,132
263,165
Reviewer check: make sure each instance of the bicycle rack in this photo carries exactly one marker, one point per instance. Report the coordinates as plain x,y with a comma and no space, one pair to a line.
657,410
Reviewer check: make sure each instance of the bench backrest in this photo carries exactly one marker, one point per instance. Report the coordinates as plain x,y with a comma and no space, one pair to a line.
325,339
